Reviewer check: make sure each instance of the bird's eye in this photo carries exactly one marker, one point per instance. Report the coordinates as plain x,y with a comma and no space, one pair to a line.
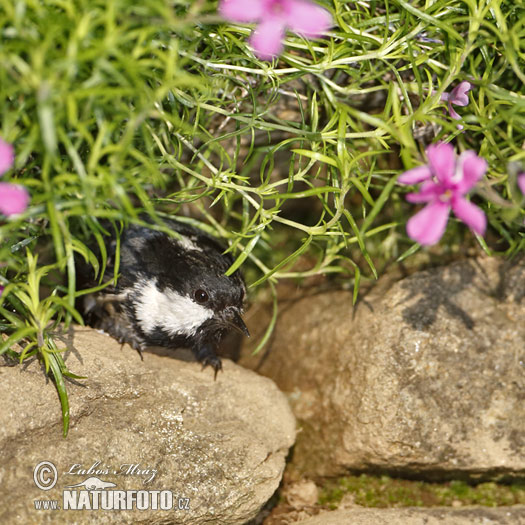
201,296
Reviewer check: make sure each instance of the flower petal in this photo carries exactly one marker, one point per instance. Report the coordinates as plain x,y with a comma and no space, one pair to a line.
442,160
472,169
267,38
307,18
459,93
242,10
521,182
453,113
13,198
7,156
428,191
415,175
428,225
470,214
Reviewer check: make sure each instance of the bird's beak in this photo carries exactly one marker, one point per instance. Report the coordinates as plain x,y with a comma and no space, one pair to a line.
236,322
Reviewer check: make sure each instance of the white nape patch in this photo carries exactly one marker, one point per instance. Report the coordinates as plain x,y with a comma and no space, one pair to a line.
188,243
169,310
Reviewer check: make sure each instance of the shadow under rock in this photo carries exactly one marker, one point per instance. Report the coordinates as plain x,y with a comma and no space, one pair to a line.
512,280
436,291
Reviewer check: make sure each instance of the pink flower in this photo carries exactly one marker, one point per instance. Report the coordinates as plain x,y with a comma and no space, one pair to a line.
521,182
445,182
274,17
13,198
7,156
457,96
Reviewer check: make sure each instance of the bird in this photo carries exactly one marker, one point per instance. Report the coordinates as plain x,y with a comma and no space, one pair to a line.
171,291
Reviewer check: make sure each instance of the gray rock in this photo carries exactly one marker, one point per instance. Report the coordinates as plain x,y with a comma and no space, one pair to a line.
425,379
514,515
219,446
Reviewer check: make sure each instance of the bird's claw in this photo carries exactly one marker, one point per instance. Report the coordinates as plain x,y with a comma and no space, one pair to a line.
208,357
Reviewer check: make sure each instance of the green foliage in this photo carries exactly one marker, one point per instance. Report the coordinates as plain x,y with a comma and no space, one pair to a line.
372,491
117,107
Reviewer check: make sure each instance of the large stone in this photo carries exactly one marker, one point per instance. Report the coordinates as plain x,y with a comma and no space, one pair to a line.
415,516
424,379
219,446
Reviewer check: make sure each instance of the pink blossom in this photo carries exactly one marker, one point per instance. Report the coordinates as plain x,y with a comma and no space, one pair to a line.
7,156
274,17
457,96
13,198
445,182
521,182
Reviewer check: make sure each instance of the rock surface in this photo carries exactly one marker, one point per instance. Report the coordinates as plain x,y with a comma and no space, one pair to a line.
414,516
219,446
425,379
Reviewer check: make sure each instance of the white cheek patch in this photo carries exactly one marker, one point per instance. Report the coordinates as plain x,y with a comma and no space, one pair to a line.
174,313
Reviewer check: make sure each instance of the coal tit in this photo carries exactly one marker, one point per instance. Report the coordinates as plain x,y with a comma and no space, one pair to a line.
170,292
